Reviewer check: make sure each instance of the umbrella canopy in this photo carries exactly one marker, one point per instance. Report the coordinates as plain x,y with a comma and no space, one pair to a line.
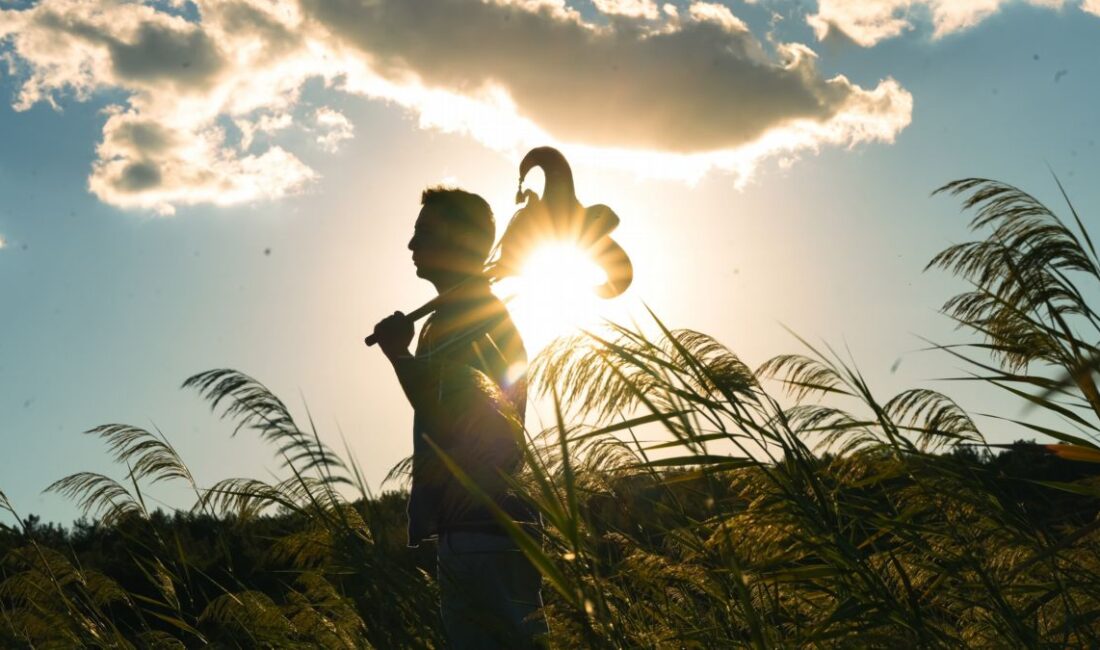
558,217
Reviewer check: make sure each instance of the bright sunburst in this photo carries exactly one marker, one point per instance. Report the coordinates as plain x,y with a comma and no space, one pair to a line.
553,296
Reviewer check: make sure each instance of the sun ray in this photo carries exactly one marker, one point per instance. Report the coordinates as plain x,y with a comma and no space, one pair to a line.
554,294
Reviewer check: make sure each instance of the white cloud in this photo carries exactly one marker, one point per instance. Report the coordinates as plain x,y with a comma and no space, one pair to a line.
652,92
633,8
143,163
265,124
718,14
333,128
164,146
868,22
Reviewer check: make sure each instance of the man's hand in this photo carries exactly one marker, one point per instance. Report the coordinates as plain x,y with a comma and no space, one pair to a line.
394,334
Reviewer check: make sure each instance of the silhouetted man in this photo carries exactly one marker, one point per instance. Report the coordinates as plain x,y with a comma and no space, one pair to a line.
489,590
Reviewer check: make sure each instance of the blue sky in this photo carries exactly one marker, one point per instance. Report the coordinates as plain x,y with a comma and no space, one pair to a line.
115,284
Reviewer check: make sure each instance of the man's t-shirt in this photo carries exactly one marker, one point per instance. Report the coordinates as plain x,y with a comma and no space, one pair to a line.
474,367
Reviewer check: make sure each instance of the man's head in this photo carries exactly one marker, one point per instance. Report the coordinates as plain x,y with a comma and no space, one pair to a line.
453,235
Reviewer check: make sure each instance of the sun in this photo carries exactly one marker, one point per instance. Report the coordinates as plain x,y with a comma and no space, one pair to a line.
554,294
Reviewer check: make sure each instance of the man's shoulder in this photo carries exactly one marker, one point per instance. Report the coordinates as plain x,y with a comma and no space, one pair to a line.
504,334
475,323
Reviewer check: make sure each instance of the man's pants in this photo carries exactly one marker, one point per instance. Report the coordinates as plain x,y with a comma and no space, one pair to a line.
489,593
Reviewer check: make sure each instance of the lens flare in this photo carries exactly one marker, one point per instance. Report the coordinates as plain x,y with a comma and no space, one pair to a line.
554,294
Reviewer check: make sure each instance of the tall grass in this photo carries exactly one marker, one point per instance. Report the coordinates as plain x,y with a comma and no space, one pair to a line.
786,506
330,571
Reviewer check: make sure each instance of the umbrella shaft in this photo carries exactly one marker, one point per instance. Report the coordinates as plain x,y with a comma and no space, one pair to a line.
428,307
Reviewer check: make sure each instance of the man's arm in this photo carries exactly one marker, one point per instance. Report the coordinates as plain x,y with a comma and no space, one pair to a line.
394,334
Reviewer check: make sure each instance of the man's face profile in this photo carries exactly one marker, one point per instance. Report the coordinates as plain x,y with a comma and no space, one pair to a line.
434,252
426,244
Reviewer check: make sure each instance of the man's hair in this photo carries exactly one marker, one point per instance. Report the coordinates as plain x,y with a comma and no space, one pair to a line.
467,215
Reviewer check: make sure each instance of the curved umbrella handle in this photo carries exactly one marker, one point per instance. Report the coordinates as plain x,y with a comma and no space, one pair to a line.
614,261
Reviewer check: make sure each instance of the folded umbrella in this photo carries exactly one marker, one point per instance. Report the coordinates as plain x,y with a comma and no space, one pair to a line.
555,217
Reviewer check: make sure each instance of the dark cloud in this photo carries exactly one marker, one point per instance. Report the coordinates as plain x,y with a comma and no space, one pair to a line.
155,53
139,176
144,136
694,86
160,49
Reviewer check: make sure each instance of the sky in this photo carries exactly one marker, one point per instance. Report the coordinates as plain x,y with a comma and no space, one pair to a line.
232,183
